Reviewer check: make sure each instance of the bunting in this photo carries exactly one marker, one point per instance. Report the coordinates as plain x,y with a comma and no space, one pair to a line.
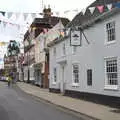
91,9
14,18
3,43
117,5
83,11
100,8
109,6
67,11
76,10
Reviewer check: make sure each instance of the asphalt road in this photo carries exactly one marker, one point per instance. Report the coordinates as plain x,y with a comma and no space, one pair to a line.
16,105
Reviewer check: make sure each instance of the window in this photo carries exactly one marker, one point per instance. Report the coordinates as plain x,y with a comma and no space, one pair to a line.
54,51
111,71
75,72
89,77
110,29
55,74
64,52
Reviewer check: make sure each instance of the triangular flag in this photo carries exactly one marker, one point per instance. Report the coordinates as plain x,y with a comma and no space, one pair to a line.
4,24
9,14
109,6
100,8
1,16
13,18
33,15
76,10
3,13
92,9
117,5
17,15
25,16
65,12
29,19
38,15
83,11
6,15
58,13
18,27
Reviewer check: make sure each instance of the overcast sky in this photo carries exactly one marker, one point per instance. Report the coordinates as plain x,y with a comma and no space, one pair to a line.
36,5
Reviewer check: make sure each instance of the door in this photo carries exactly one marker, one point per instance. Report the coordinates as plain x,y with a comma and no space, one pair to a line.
62,82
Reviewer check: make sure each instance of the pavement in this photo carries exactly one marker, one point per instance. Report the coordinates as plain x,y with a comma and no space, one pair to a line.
93,110
17,105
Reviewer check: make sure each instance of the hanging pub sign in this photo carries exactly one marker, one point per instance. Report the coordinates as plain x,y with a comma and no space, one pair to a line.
75,37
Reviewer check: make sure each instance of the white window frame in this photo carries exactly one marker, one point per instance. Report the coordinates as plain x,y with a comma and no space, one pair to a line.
73,78
108,86
107,41
89,77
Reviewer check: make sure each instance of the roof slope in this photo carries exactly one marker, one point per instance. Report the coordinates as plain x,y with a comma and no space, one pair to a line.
80,19
52,21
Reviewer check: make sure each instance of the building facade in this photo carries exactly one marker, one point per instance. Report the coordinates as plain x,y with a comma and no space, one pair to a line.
90,70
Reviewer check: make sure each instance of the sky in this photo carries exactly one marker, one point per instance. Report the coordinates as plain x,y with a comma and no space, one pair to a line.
36,6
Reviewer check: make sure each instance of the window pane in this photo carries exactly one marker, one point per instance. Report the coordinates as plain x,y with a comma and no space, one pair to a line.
110,29
55,75
89,77
111,71
76,73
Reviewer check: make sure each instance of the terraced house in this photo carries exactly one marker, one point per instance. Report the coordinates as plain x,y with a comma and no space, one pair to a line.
36,65
91,69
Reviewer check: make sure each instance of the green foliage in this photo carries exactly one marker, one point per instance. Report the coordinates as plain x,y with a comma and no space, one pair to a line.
13,48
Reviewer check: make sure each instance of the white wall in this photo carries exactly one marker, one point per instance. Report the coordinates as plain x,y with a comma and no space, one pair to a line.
88,56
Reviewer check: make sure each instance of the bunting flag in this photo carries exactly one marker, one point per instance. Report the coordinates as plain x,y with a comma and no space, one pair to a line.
29,19
3,13
6,15
117,5
55,32
3,43
76,10
33,15
25,16
13,18
91,9
109,6
65,12
57,13
4,24
100,8
9,14
1,17
83,11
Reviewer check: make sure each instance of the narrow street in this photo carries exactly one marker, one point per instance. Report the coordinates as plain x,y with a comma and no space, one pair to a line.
16,105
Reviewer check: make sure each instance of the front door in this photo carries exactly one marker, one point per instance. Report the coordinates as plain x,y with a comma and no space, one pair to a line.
62,82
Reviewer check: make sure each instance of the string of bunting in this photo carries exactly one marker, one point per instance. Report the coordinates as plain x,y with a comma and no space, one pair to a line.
11,18
101,7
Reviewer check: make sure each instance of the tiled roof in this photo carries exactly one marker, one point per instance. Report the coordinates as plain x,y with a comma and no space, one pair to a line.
80,19
97,19
52,21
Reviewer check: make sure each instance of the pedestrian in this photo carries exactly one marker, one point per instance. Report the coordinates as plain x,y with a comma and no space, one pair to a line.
9,81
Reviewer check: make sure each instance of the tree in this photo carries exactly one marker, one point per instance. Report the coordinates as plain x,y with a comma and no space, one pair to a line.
13,48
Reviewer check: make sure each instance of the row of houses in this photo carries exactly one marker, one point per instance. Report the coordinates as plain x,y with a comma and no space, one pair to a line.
89,70
36,57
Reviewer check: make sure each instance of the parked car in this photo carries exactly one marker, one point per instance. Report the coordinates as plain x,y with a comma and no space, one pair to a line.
3,78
